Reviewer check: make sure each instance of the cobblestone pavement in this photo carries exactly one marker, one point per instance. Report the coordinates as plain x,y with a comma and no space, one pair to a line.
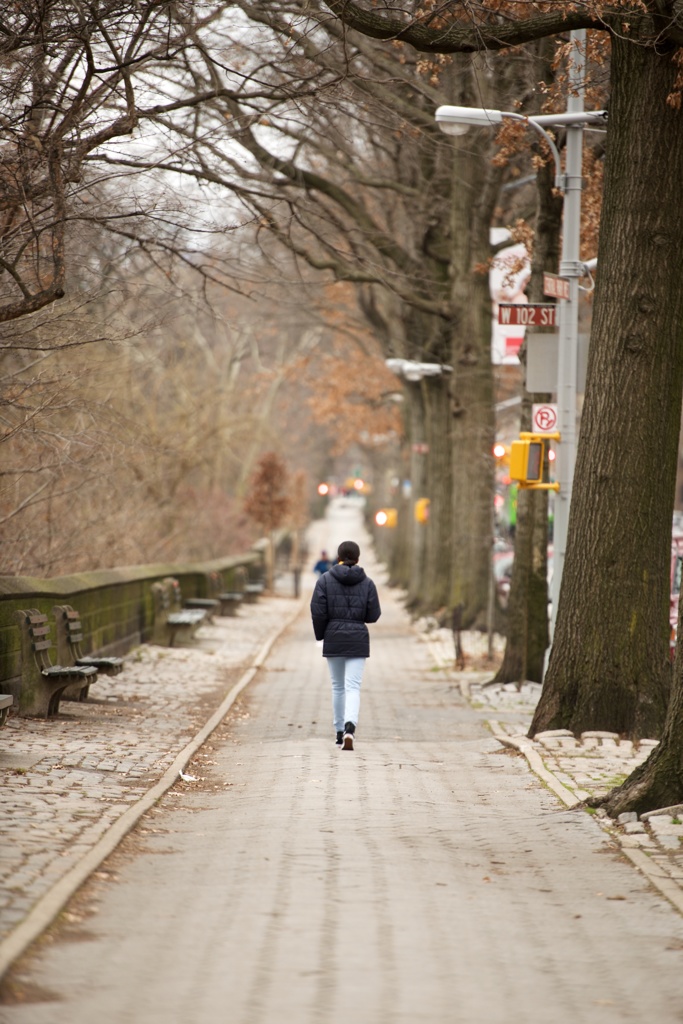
65,781
575,769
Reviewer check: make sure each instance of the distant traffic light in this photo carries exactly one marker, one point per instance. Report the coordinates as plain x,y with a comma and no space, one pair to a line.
422,510
386,517
323,489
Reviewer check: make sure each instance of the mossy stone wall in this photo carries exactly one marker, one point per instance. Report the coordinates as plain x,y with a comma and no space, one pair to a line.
116,605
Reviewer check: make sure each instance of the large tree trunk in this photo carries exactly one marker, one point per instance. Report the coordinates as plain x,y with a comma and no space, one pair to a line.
475,190
417,475
513,666
658,782
537,601
527,613
437,530
609,666
473,485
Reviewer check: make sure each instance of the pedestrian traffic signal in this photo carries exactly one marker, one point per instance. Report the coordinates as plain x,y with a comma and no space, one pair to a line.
527,459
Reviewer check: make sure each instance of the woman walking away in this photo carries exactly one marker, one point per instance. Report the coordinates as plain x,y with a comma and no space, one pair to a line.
345,599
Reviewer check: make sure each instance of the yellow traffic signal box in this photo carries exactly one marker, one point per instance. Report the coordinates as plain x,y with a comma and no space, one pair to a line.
422,510
526,461
387,517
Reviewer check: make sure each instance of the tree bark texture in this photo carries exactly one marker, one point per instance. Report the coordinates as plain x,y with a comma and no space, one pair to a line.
475,191
513,665
527,611
538,634
415,532
437,530
609,666
658,782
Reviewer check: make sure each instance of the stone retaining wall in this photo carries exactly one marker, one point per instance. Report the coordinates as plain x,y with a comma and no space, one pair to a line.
116,605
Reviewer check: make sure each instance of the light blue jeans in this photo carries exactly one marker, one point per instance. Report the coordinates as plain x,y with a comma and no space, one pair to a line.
346,675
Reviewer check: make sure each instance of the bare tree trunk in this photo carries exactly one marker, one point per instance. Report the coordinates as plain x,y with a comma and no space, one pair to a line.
537,601
658,782
415,535
437,530
609,666
475,191
527,610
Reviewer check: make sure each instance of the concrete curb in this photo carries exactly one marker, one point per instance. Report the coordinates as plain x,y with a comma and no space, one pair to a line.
48,906
655,876
536,764
640,860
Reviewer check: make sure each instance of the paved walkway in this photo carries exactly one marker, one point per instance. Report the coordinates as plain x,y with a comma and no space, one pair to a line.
428,876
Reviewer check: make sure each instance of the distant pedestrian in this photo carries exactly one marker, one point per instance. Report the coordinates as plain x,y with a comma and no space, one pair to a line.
323,564
343,601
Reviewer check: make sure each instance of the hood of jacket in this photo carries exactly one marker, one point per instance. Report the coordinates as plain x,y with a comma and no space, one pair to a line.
349,575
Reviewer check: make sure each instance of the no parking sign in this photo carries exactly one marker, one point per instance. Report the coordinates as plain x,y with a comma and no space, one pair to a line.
544,418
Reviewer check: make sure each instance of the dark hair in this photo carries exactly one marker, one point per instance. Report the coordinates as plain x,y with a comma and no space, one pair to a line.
348,551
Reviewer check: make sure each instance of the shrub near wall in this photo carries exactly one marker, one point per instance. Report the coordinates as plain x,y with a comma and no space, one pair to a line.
116,605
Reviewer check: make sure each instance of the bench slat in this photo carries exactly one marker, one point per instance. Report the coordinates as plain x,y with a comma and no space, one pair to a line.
74,671
110,666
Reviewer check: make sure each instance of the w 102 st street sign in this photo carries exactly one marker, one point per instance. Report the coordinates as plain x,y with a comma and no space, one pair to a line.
542,314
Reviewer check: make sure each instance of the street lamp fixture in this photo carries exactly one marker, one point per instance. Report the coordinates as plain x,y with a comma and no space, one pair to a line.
415,371
458,120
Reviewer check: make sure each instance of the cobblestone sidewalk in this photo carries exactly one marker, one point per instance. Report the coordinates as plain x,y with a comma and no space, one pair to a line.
575,769
66,781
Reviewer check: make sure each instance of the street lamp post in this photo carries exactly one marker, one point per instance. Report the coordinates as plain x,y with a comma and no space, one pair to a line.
455,120
568,342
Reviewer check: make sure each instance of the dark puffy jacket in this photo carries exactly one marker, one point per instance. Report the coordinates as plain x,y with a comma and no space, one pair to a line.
344,599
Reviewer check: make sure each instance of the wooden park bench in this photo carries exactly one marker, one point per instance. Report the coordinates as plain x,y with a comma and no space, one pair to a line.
210,605
170,618
252,591
6,701
219,601
254,586
230,600
70,639
42,683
